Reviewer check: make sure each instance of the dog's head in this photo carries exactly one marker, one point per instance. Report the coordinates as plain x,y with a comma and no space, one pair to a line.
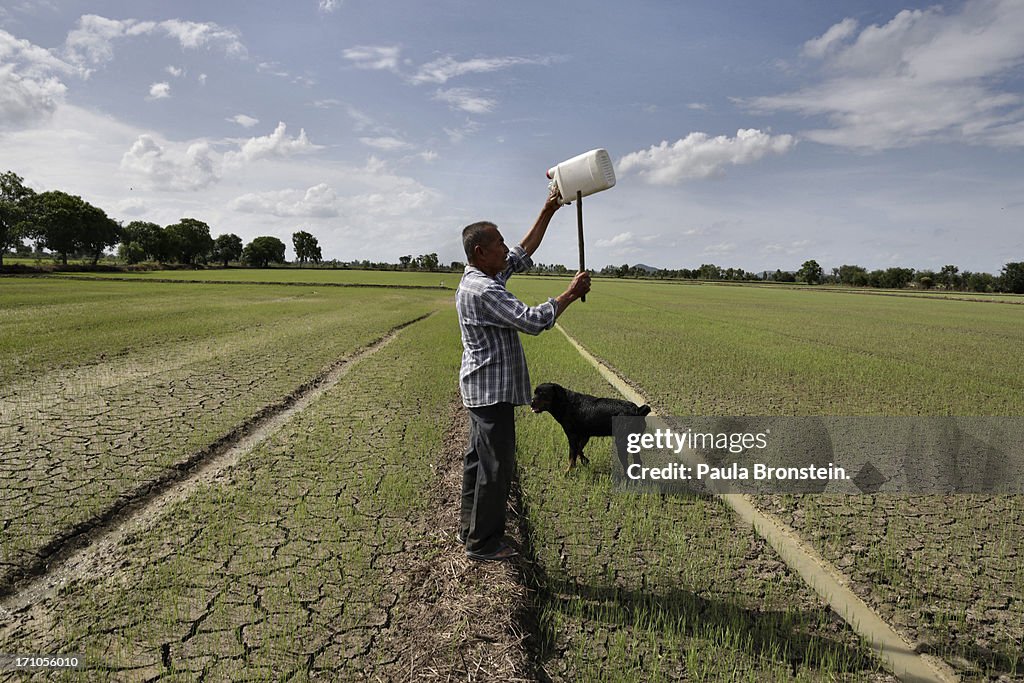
545,396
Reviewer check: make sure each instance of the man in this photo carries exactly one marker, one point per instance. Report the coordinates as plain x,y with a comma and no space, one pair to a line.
494,377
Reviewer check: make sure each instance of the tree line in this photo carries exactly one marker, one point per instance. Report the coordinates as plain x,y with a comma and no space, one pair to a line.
67,225
949,277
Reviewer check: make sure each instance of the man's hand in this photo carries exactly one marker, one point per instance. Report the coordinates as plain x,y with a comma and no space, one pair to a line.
554,201
580,285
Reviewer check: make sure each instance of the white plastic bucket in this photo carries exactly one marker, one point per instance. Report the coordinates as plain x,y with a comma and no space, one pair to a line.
587,173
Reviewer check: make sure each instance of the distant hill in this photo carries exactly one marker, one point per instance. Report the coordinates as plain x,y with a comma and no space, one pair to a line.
644,266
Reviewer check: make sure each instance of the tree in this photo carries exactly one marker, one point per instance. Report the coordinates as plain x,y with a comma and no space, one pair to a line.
979,282
430,262
810,272
852,275
1012,277
131,252
56,219
263,251
142,240
926,279
709,271
891,278
189,240
227,248
97,231
949,278
405,261
306,247
14,198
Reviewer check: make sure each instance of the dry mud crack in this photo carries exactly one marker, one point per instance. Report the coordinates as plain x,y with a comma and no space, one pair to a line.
85,548
298,556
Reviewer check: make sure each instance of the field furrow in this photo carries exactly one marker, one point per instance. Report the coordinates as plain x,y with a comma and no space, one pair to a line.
294,562
82,435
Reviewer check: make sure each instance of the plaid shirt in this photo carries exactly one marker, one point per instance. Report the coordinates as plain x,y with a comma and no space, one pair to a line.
490,317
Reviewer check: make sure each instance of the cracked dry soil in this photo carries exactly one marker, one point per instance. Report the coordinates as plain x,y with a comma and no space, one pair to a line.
306,560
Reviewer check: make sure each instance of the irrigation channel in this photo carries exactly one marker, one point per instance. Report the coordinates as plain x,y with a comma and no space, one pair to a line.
95,548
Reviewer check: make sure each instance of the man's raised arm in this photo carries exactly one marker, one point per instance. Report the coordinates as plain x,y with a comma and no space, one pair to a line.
536,234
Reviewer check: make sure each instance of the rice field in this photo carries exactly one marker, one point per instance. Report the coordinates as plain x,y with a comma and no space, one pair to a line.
291,562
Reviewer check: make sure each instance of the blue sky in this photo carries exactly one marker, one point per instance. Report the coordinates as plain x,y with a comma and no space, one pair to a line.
746,134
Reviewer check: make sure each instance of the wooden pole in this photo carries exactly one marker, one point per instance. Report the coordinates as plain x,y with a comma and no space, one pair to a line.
579,231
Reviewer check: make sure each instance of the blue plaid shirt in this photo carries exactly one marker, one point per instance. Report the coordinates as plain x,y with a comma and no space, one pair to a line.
490,317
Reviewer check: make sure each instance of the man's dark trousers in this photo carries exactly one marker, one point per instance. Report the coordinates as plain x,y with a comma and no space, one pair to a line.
487,471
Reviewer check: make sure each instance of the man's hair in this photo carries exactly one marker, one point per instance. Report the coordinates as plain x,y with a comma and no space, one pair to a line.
474,235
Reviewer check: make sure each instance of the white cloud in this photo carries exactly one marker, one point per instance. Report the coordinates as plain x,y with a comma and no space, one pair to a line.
317,201
31,59
327,103
698,106
243,120
445,68
823,44
103,160
175,71
698,156
276,144
25,100
130,207
720,249
193,35
793,248
202,79
163,169
465,99
29,89
321,201
620,240
457,135
384,142
91,42
922,76
328,6
195,165
159,91
373,57
273,68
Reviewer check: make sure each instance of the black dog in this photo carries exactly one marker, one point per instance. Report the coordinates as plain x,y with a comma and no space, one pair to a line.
582,416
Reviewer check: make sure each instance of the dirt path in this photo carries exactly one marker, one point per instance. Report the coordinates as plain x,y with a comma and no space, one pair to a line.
466,621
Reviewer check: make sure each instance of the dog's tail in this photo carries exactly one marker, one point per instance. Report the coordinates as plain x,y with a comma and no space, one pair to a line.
643,410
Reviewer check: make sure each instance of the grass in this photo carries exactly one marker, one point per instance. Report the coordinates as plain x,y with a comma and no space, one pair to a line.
720,350
106,386
646,587
289,275
284,567
947,571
